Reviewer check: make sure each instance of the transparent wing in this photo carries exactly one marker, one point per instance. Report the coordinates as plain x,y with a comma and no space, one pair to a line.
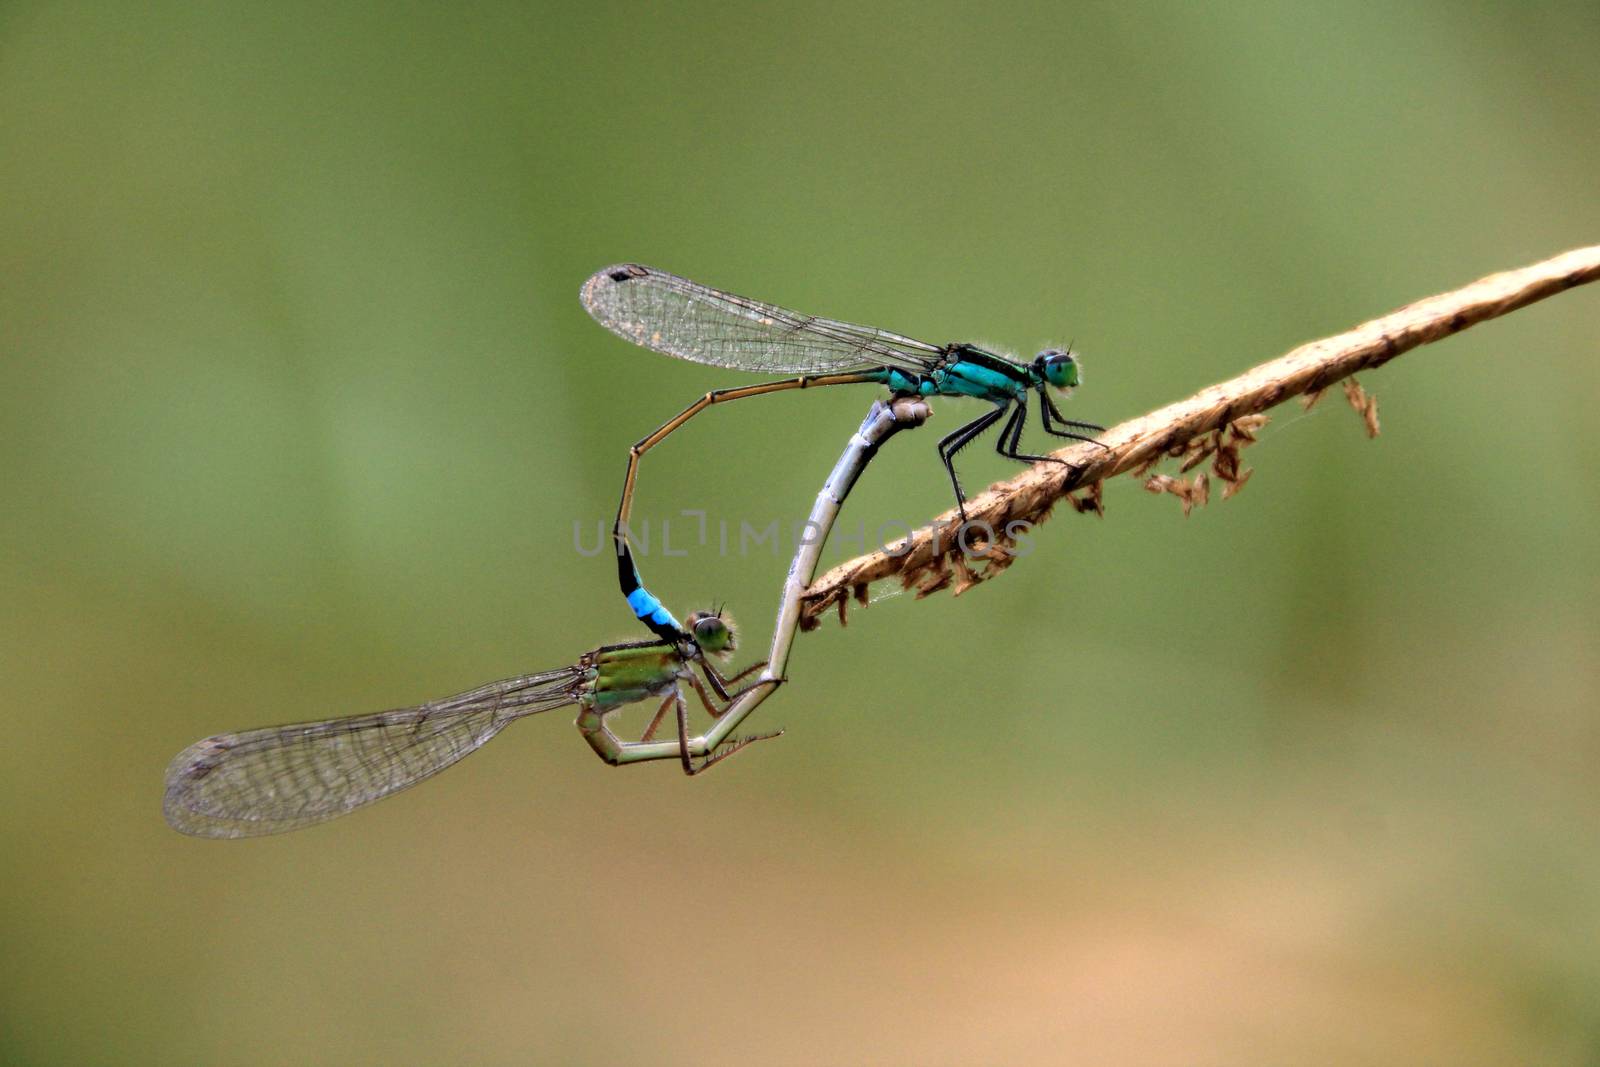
281,778
678,317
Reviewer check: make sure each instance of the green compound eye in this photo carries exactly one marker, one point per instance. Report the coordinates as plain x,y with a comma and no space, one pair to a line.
711,633
1059,369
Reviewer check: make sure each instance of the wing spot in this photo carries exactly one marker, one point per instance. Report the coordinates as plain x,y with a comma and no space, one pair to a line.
199,769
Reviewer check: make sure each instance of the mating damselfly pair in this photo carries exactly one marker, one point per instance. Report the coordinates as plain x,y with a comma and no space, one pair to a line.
281,778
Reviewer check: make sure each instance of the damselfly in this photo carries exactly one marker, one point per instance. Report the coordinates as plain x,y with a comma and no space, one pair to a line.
280,778
681,318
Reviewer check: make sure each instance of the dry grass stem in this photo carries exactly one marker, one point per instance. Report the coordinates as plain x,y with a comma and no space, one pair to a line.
1215,424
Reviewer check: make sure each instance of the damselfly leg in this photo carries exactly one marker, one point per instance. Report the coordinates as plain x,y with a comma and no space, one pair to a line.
716,396
960,438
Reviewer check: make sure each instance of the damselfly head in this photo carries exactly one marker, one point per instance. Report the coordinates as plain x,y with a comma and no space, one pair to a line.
712,632
1057,367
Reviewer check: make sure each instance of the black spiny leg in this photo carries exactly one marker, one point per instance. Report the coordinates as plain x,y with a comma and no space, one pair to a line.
1011,432
1056,425
1008,447
960,438
1011,437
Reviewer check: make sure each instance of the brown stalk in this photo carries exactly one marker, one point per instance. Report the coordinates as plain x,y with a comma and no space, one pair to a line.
1213,424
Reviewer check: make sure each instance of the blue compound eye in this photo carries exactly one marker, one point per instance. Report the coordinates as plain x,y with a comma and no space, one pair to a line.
1059,369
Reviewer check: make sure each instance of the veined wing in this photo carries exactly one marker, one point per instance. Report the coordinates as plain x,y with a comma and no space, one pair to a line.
281,778
678,317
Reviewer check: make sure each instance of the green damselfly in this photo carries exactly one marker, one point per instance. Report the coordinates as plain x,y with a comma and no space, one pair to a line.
281,778
682,318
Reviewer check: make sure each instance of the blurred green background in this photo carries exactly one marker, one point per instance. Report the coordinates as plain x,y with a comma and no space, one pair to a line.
298,409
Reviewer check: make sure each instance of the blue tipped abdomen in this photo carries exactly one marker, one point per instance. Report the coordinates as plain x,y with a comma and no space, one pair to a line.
649,610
